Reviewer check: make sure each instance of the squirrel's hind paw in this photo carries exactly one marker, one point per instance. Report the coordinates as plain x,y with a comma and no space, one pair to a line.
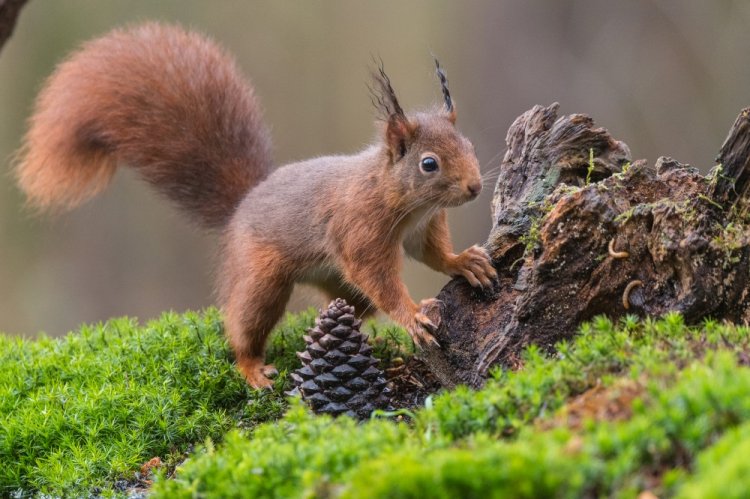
256,372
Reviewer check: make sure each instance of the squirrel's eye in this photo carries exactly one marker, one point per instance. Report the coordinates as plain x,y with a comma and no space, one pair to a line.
428,164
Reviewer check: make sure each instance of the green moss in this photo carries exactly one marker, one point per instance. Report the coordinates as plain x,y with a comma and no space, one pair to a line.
82,411
600,460
723,469
79,412
730,240
298,453
684,209
479,468
591,167
389,342
716,174
533,237
489,443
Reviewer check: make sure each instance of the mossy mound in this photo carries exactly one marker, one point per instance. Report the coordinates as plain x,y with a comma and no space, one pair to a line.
625,408
81,414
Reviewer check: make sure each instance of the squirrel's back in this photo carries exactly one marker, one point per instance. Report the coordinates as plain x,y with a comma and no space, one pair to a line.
168,102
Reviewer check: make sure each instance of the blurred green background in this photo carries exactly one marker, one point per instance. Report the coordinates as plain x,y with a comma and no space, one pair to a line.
667,77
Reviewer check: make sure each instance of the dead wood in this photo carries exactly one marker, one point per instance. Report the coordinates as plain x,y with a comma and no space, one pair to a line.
581,231
9,10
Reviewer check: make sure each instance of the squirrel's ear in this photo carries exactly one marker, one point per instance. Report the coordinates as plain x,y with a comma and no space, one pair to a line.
452,114
398,135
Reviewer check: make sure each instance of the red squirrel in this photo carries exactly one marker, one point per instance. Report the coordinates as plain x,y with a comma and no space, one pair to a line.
172,105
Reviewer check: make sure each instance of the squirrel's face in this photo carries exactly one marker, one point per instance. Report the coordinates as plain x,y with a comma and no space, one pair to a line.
435,163
432,161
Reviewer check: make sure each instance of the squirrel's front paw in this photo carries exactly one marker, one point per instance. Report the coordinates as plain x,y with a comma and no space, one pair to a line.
476,266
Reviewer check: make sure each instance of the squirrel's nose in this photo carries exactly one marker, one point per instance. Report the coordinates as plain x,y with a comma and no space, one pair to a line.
475,189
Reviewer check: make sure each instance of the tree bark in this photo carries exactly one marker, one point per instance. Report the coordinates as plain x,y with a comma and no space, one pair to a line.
581,231
9,10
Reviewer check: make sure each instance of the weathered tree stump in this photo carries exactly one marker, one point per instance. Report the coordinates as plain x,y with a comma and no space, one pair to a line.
580,231
9,10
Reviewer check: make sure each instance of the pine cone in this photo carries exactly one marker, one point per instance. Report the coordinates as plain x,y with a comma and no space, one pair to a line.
338,374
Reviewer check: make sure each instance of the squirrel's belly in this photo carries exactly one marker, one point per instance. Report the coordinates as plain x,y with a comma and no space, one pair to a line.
321,273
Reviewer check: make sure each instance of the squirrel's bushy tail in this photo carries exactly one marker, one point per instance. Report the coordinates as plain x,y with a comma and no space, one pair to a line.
167,102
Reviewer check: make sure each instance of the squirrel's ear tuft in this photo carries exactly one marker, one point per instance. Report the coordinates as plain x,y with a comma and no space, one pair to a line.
399,131
449,106
383,97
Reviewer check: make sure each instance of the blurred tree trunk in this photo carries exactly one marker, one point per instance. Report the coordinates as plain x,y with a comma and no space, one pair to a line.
579,231
9,10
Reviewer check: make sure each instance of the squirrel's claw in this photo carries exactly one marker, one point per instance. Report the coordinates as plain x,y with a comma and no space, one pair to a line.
425,322
258,380
270,371
422,332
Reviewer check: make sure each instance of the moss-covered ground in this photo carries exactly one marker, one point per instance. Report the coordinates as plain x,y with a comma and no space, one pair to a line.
640,405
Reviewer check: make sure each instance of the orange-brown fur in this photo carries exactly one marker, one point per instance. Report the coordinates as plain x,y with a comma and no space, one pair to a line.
121,98
172,105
